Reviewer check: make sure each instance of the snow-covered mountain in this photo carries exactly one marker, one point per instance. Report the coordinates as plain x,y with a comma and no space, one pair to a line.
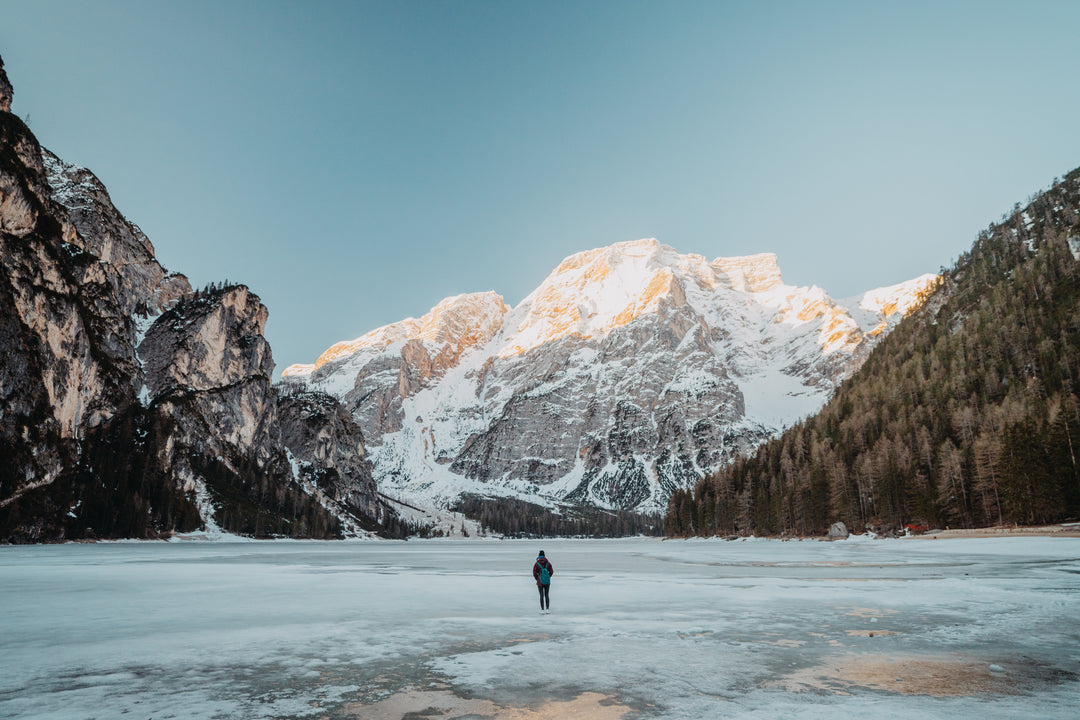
630,371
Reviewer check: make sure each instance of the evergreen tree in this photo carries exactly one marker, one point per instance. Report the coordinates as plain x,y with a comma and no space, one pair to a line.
968,413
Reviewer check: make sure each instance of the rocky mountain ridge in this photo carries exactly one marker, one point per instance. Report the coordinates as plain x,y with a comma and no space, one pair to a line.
134,406
632,370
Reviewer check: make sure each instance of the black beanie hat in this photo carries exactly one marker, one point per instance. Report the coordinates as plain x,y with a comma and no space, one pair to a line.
541,553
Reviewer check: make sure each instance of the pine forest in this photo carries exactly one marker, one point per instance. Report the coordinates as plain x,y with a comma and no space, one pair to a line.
966,415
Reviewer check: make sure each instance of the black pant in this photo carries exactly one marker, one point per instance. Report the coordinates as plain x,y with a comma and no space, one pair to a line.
544,596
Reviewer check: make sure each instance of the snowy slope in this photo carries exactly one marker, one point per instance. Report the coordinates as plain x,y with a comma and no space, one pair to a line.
630,371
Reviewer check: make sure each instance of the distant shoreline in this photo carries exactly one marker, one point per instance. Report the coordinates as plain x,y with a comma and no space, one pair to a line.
1059,530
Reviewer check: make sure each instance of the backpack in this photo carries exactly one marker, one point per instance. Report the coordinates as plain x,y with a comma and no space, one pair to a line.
545,574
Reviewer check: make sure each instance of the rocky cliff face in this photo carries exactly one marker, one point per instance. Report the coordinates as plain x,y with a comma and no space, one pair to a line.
133,406
6,91
68,344
631,371
328,447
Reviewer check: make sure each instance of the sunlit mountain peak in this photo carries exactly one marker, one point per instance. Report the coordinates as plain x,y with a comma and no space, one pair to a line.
456,323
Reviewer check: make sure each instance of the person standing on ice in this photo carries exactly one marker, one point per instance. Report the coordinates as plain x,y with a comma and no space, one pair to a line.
542,572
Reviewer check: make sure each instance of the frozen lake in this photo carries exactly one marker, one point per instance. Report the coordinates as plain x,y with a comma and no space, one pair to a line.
986,628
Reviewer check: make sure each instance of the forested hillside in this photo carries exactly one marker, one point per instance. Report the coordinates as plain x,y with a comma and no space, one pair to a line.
967,414
518,518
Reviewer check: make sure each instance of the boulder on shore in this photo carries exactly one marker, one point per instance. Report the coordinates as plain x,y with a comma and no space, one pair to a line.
838,531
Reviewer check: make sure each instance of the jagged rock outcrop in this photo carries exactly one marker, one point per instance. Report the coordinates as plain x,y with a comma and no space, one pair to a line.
631,371
141,284
6,91
132,406
376,373
329,448
208,375
208,372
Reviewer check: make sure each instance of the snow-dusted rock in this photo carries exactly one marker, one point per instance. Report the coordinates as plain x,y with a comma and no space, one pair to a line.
141,283
329,447
630,371
838,531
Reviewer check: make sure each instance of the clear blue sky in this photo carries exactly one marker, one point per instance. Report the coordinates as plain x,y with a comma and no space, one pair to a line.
355,162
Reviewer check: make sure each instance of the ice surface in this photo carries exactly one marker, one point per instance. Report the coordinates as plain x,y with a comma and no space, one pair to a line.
985,628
